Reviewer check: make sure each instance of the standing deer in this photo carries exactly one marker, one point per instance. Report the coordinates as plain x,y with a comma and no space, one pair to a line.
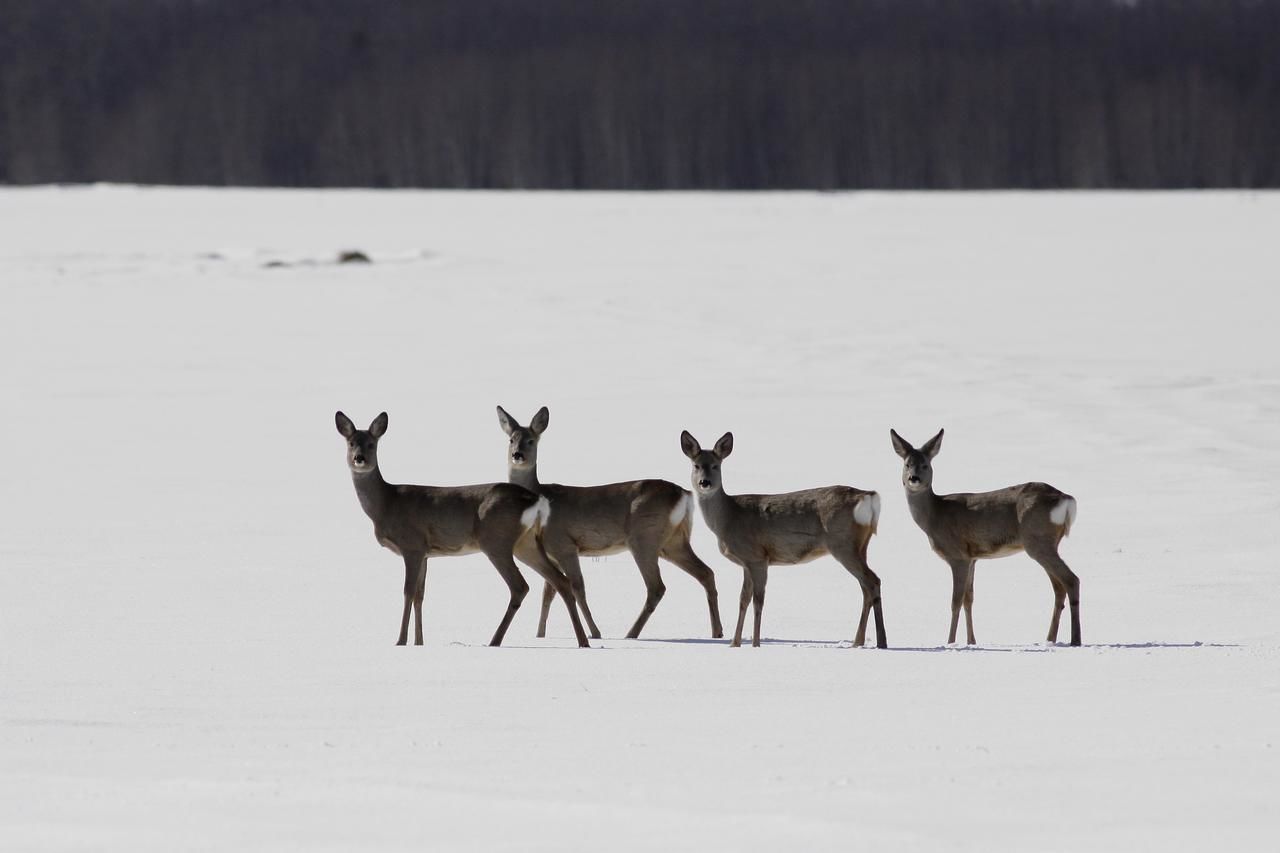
964,528
416,522
756,531
649,518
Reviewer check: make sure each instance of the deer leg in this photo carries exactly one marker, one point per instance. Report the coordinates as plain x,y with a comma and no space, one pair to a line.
1059,601
1047,556
968,603
418,594
412,566
743,601
856,564
548,595
681,554
531,553
654,587
759,577
959,580
567,560
519,589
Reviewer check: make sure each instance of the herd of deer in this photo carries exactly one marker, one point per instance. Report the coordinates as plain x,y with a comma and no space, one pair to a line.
548,527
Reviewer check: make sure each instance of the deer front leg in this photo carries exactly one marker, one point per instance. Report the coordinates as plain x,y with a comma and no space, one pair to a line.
959,581
413,566
567,559
532,553
743,601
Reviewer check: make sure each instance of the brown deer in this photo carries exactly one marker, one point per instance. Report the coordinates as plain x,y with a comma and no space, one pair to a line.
416,522
964,528
649,518
756,531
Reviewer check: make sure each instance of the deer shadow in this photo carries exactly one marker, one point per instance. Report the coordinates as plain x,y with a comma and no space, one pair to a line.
1042,648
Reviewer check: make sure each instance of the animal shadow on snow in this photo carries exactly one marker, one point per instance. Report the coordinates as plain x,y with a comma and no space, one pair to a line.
846,644
1048,647
764,641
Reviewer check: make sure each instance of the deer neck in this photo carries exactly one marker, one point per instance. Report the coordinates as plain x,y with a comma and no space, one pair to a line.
373,492
923,506
526,477
718,510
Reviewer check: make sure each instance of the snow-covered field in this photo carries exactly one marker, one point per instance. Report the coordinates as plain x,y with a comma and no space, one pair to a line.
197,627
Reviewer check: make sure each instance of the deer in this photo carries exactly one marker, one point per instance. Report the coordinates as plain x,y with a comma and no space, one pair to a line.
757,531
966,527
500,520
650,518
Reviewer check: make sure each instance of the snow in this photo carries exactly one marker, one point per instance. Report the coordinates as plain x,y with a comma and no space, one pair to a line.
197,627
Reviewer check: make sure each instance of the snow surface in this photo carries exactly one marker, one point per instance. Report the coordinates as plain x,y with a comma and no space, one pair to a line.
197,627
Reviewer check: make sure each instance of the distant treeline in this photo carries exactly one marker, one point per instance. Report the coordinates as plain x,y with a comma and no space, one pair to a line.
654,94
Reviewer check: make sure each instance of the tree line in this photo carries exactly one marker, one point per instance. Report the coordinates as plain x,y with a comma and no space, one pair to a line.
642,94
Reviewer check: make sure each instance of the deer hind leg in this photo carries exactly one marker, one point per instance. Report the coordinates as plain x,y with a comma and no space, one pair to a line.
855,561
968,603
415,569
531,553
1059,602
759,577
519,587
1046,554
647,561
680,553
418,594
548,595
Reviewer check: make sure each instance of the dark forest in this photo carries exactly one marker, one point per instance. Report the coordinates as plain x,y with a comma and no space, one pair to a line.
642,94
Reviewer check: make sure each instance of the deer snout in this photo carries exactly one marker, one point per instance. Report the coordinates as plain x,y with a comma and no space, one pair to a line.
913,479
358,459
517,457
704,484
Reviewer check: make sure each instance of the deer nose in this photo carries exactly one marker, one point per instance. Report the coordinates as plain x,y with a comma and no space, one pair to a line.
704,484
517,457
913,479
359,460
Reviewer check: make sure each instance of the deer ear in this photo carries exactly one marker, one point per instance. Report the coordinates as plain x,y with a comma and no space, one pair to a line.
725,445
505,421
345,426
901,446
931,447
540,421
379,426
689,444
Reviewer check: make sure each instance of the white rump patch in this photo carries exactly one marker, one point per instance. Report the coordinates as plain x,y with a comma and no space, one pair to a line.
867,510
682,509
536,514
1064,514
